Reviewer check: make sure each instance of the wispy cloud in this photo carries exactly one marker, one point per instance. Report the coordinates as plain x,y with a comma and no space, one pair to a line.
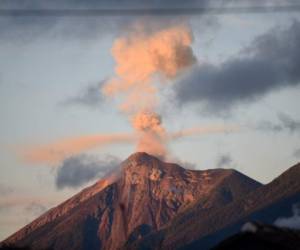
90,96
23,200
296,153
57,22
54,153
285,123
224,161
5,190
36,208
202,130
289,123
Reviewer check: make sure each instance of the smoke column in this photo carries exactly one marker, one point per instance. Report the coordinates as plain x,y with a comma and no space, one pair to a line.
144,63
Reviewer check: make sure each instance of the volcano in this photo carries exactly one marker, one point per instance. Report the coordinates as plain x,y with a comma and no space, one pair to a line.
139,209
147,195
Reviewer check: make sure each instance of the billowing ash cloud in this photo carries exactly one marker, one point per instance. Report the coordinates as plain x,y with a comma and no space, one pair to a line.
145,61
270,62
292,222
78,170
224,161
285,122
90,96
151,132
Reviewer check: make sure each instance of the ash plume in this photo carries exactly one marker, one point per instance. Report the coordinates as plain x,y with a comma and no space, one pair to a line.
145,63
151,133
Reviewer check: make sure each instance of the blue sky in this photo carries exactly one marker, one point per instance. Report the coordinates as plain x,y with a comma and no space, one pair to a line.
44,69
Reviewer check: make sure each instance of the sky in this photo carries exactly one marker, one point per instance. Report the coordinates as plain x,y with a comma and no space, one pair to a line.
238,94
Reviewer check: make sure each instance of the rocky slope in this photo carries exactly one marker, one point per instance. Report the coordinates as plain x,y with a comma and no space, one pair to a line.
202,228
146,196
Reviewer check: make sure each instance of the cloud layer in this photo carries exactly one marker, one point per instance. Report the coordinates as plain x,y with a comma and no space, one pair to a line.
270,62
22,29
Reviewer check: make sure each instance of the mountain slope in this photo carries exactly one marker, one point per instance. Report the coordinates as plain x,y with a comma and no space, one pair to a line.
198,227
146,196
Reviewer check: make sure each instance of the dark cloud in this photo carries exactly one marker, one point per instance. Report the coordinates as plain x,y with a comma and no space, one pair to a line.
90,96
75,4
285,123
270,62
36,208
224,161
79,19
167,6
78,170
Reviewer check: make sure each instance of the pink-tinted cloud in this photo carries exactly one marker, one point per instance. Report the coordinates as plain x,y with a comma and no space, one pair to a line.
54,153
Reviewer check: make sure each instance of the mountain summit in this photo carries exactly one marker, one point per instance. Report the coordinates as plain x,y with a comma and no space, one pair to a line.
146,195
